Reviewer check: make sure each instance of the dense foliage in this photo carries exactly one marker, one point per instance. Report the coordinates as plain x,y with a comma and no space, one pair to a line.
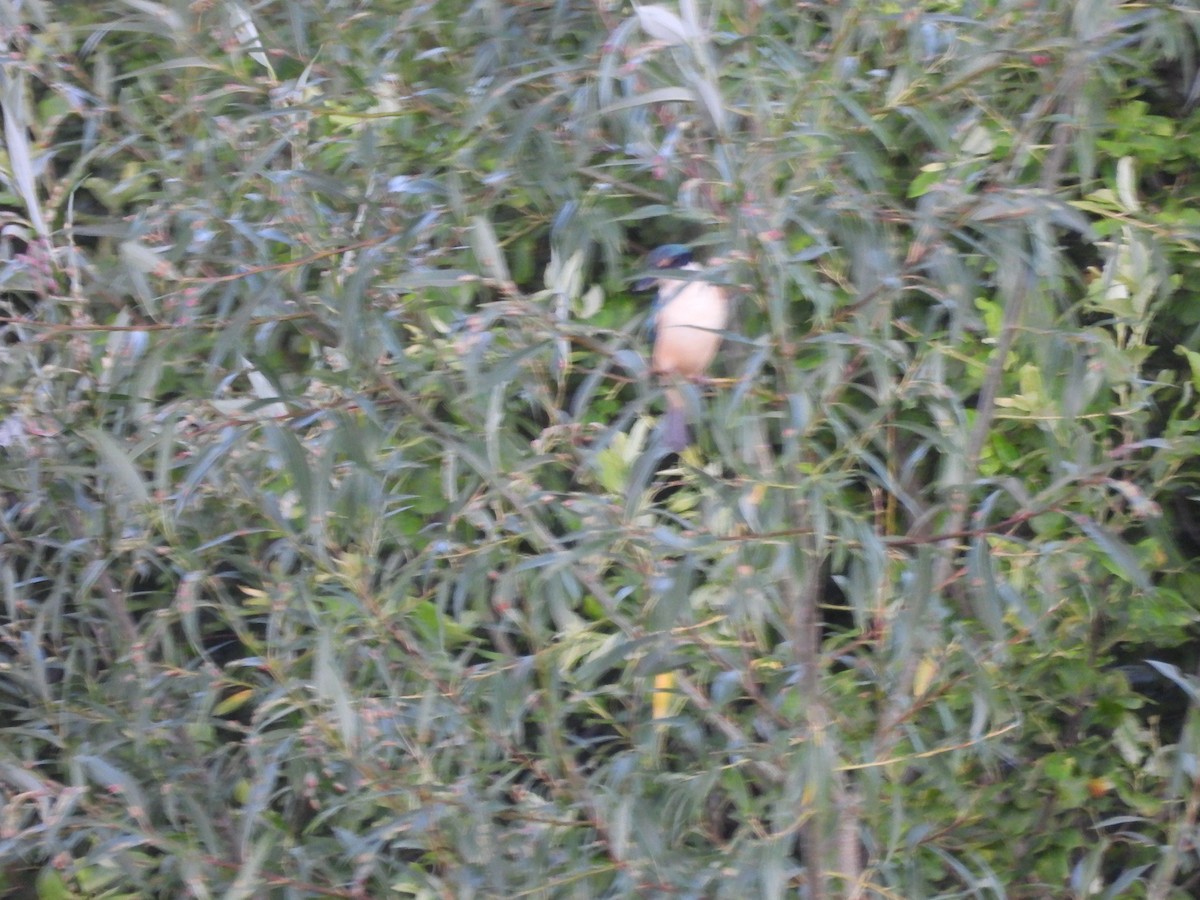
338,553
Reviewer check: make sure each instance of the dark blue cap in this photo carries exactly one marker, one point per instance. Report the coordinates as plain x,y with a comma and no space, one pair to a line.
668,256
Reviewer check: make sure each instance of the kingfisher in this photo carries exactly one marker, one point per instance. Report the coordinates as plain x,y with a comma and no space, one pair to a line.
686,321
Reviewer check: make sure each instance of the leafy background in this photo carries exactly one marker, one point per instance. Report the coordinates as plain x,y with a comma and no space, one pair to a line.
338,556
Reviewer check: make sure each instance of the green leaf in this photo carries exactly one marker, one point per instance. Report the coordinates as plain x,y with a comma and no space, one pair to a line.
1117,552
117,463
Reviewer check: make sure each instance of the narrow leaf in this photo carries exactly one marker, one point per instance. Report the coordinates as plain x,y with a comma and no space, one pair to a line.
1118,551
20,159
118,465
663,25
488,251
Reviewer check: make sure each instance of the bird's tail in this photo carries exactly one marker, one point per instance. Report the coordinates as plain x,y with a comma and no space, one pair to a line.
675,429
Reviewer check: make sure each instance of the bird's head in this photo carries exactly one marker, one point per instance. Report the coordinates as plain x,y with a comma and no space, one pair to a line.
668,256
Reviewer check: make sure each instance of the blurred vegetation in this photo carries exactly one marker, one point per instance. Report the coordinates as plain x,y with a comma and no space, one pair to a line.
339,557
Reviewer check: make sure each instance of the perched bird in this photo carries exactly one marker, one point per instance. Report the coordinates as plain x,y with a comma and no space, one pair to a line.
687,321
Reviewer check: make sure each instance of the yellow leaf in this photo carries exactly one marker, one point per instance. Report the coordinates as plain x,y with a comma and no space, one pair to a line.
233,702
664,693
926,669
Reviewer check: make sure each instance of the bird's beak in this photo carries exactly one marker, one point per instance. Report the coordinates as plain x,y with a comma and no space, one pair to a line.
644,284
